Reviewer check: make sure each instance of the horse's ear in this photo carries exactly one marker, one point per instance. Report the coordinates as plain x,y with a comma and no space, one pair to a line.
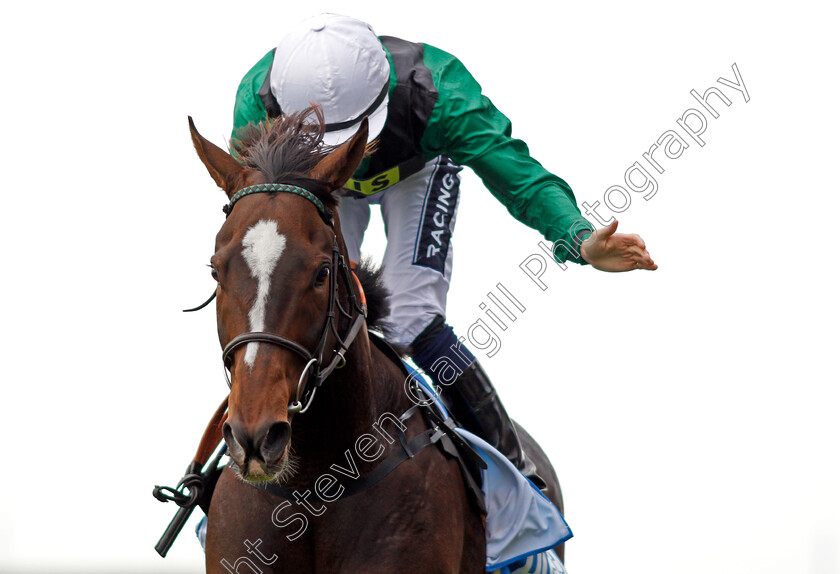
224,170
336,168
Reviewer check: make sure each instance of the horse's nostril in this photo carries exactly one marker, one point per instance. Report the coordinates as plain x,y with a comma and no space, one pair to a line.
275,441
235,448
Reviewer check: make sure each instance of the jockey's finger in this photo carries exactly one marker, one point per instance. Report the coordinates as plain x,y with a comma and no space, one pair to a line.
640,257
608,230
639,241
637,251
646,263
633,239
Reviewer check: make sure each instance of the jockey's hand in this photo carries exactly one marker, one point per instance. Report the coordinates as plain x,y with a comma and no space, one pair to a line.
611,251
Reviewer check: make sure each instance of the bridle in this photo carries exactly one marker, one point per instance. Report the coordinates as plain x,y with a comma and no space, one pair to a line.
314,372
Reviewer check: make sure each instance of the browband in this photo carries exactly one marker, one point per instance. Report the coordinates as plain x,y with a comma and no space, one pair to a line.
326,214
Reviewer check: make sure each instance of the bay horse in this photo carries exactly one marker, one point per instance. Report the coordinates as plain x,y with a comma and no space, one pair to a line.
291,318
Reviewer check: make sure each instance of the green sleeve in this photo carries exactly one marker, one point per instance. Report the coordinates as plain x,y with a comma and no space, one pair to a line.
249,107
466,126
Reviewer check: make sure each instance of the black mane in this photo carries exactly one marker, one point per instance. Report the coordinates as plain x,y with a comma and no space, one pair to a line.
376,294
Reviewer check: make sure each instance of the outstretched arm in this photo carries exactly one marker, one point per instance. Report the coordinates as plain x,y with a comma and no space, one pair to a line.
607,250
466,126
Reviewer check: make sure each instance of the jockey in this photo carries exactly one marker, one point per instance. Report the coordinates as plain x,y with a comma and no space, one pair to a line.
427,118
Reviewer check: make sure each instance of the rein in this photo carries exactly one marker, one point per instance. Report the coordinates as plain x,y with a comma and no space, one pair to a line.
315,370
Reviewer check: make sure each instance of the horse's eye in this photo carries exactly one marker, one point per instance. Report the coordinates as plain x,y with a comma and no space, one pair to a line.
323,275
213,273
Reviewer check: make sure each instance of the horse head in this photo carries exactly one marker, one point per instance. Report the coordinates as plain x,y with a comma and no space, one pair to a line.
285,305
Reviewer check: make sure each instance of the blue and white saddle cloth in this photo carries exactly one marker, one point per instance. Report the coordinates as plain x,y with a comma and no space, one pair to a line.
522,525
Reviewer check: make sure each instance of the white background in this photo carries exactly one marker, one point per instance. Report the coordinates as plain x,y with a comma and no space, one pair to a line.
691,412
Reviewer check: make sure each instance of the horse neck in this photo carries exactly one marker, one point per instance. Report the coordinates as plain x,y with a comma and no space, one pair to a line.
344,408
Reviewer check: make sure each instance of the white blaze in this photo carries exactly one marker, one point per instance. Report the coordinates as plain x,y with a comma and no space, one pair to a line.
261,248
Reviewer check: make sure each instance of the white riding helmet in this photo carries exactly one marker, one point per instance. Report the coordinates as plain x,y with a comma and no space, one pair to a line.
338,63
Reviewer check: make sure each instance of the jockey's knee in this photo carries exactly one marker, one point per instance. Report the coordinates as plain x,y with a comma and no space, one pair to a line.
439,353
406,324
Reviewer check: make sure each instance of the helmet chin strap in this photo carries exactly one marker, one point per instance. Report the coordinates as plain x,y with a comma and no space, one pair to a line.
334,127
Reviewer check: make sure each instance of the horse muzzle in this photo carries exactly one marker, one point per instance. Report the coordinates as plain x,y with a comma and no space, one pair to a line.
259,452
